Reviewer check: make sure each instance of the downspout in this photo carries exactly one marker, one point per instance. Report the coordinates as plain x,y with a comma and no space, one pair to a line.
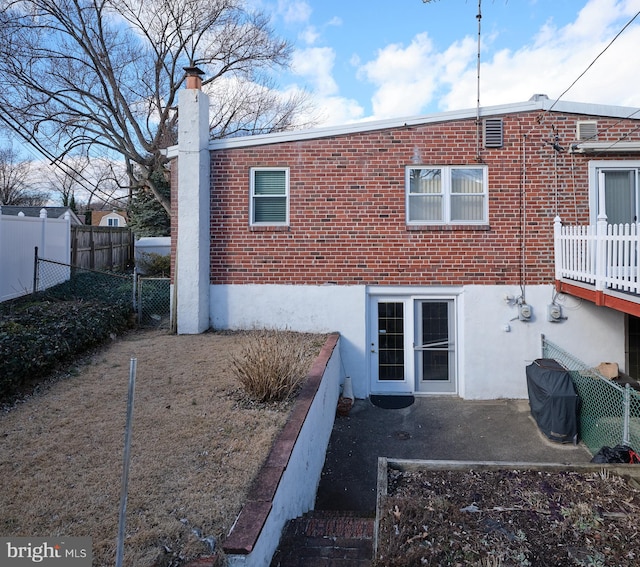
523,216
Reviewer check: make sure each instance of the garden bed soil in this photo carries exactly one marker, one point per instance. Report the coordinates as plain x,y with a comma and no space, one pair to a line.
197,443
508,516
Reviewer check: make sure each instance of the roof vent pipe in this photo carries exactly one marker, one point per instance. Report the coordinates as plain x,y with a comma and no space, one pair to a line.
537,97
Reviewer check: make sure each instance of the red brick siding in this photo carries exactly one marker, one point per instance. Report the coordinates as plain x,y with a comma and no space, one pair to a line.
347,207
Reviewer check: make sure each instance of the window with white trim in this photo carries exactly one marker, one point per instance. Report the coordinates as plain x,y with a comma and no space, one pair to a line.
113,222
615,190
269,203
449,194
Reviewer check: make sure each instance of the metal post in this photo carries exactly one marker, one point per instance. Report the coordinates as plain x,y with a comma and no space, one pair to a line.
627,408
125,466
135,291
35,271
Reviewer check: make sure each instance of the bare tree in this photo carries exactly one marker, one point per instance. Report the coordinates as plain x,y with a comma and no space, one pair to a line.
83,181
101,77
15,186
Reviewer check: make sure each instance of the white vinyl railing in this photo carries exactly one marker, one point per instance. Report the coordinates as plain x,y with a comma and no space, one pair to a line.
604,255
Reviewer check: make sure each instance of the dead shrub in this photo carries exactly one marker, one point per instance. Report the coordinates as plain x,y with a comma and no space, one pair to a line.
273,364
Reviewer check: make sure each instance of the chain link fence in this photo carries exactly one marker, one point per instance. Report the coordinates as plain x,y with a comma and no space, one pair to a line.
153,301
148,298
63,281
609,412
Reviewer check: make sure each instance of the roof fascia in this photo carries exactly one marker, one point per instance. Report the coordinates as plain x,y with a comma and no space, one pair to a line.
539,104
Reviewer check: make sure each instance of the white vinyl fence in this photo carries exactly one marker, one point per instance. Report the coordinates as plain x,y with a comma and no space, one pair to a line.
604,255
19,237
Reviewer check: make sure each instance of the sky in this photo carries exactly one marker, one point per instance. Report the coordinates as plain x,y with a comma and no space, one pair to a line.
379,59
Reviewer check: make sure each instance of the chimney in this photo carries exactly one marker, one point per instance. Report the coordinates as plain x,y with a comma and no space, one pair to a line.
194,77
192,220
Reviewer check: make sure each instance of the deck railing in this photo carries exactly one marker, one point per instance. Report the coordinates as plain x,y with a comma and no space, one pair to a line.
603,255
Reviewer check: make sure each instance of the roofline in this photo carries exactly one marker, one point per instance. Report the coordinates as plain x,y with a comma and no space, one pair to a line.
606,147
536,103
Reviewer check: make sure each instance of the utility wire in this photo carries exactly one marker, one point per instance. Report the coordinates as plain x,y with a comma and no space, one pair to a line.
33,143
593,62
544,113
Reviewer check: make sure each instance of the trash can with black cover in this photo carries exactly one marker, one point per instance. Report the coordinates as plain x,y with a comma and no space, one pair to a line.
553,399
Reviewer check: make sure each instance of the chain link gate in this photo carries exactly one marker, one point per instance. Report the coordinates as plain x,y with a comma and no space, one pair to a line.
609,412
153,301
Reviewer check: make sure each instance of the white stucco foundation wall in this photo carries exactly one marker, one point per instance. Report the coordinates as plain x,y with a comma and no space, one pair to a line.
316,309
491,360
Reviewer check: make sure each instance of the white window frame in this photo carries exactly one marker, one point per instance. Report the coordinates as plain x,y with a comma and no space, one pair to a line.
446,195
252,196
596,190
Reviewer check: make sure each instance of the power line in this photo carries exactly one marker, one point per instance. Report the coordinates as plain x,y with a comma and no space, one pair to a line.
33,143
593,62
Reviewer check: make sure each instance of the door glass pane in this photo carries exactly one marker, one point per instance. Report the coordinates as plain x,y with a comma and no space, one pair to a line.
435,341
620,196
390,341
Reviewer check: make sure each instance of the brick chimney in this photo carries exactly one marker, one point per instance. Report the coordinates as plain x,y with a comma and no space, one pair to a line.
194,77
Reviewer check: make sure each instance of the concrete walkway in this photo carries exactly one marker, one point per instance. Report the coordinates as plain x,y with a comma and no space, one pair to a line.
339,532
435,427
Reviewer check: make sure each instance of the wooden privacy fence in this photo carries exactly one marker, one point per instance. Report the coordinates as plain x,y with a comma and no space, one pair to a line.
102,247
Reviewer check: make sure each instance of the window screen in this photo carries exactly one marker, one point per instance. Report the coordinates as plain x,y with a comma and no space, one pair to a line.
448,194
269,196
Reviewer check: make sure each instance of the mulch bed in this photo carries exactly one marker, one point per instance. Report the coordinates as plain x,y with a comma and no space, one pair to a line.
508,517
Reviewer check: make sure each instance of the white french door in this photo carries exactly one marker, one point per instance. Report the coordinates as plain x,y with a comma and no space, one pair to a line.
389,340
618,195
434,347
412,345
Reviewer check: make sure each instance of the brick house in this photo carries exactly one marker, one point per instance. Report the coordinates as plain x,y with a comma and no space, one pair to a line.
428,243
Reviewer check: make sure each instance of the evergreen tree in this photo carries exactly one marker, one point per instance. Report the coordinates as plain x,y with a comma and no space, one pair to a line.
147,216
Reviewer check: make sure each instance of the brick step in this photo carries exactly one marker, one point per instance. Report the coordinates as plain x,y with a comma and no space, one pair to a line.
326,538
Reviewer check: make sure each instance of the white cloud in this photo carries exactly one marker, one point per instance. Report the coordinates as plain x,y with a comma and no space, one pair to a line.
557,57
405,78
408,79
316,65
309,35
294,11
337,110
